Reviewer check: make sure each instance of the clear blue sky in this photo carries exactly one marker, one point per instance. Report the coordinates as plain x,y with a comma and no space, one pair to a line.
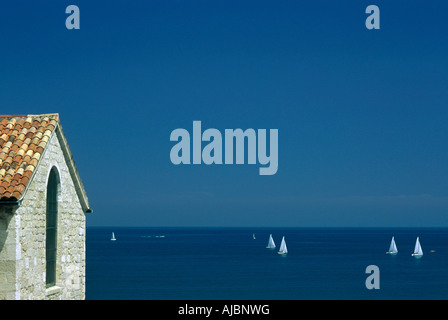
362,114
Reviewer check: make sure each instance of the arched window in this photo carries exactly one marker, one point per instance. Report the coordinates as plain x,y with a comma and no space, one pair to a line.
51,229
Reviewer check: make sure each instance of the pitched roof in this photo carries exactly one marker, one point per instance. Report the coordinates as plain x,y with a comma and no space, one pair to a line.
23,139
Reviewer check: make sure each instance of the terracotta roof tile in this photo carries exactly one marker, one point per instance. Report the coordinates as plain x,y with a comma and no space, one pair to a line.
22,140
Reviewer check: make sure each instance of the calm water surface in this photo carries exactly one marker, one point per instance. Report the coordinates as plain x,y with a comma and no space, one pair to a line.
227,263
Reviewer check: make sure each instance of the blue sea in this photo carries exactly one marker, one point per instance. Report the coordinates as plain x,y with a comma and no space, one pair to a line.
228,264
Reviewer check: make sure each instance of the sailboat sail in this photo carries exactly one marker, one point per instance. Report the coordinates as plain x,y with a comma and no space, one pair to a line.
283,249
393,247
271,243
113,237
418,248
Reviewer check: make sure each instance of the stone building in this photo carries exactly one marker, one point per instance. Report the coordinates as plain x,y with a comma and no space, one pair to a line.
42,212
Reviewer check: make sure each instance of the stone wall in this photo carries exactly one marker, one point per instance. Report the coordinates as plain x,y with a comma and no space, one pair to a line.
23,236
7,254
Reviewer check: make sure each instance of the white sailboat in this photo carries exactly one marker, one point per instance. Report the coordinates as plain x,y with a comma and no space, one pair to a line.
253,236
113,237
271,243
418,252
393,247
283,249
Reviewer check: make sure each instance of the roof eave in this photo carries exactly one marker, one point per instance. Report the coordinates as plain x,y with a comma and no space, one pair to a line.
10,202
82,195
